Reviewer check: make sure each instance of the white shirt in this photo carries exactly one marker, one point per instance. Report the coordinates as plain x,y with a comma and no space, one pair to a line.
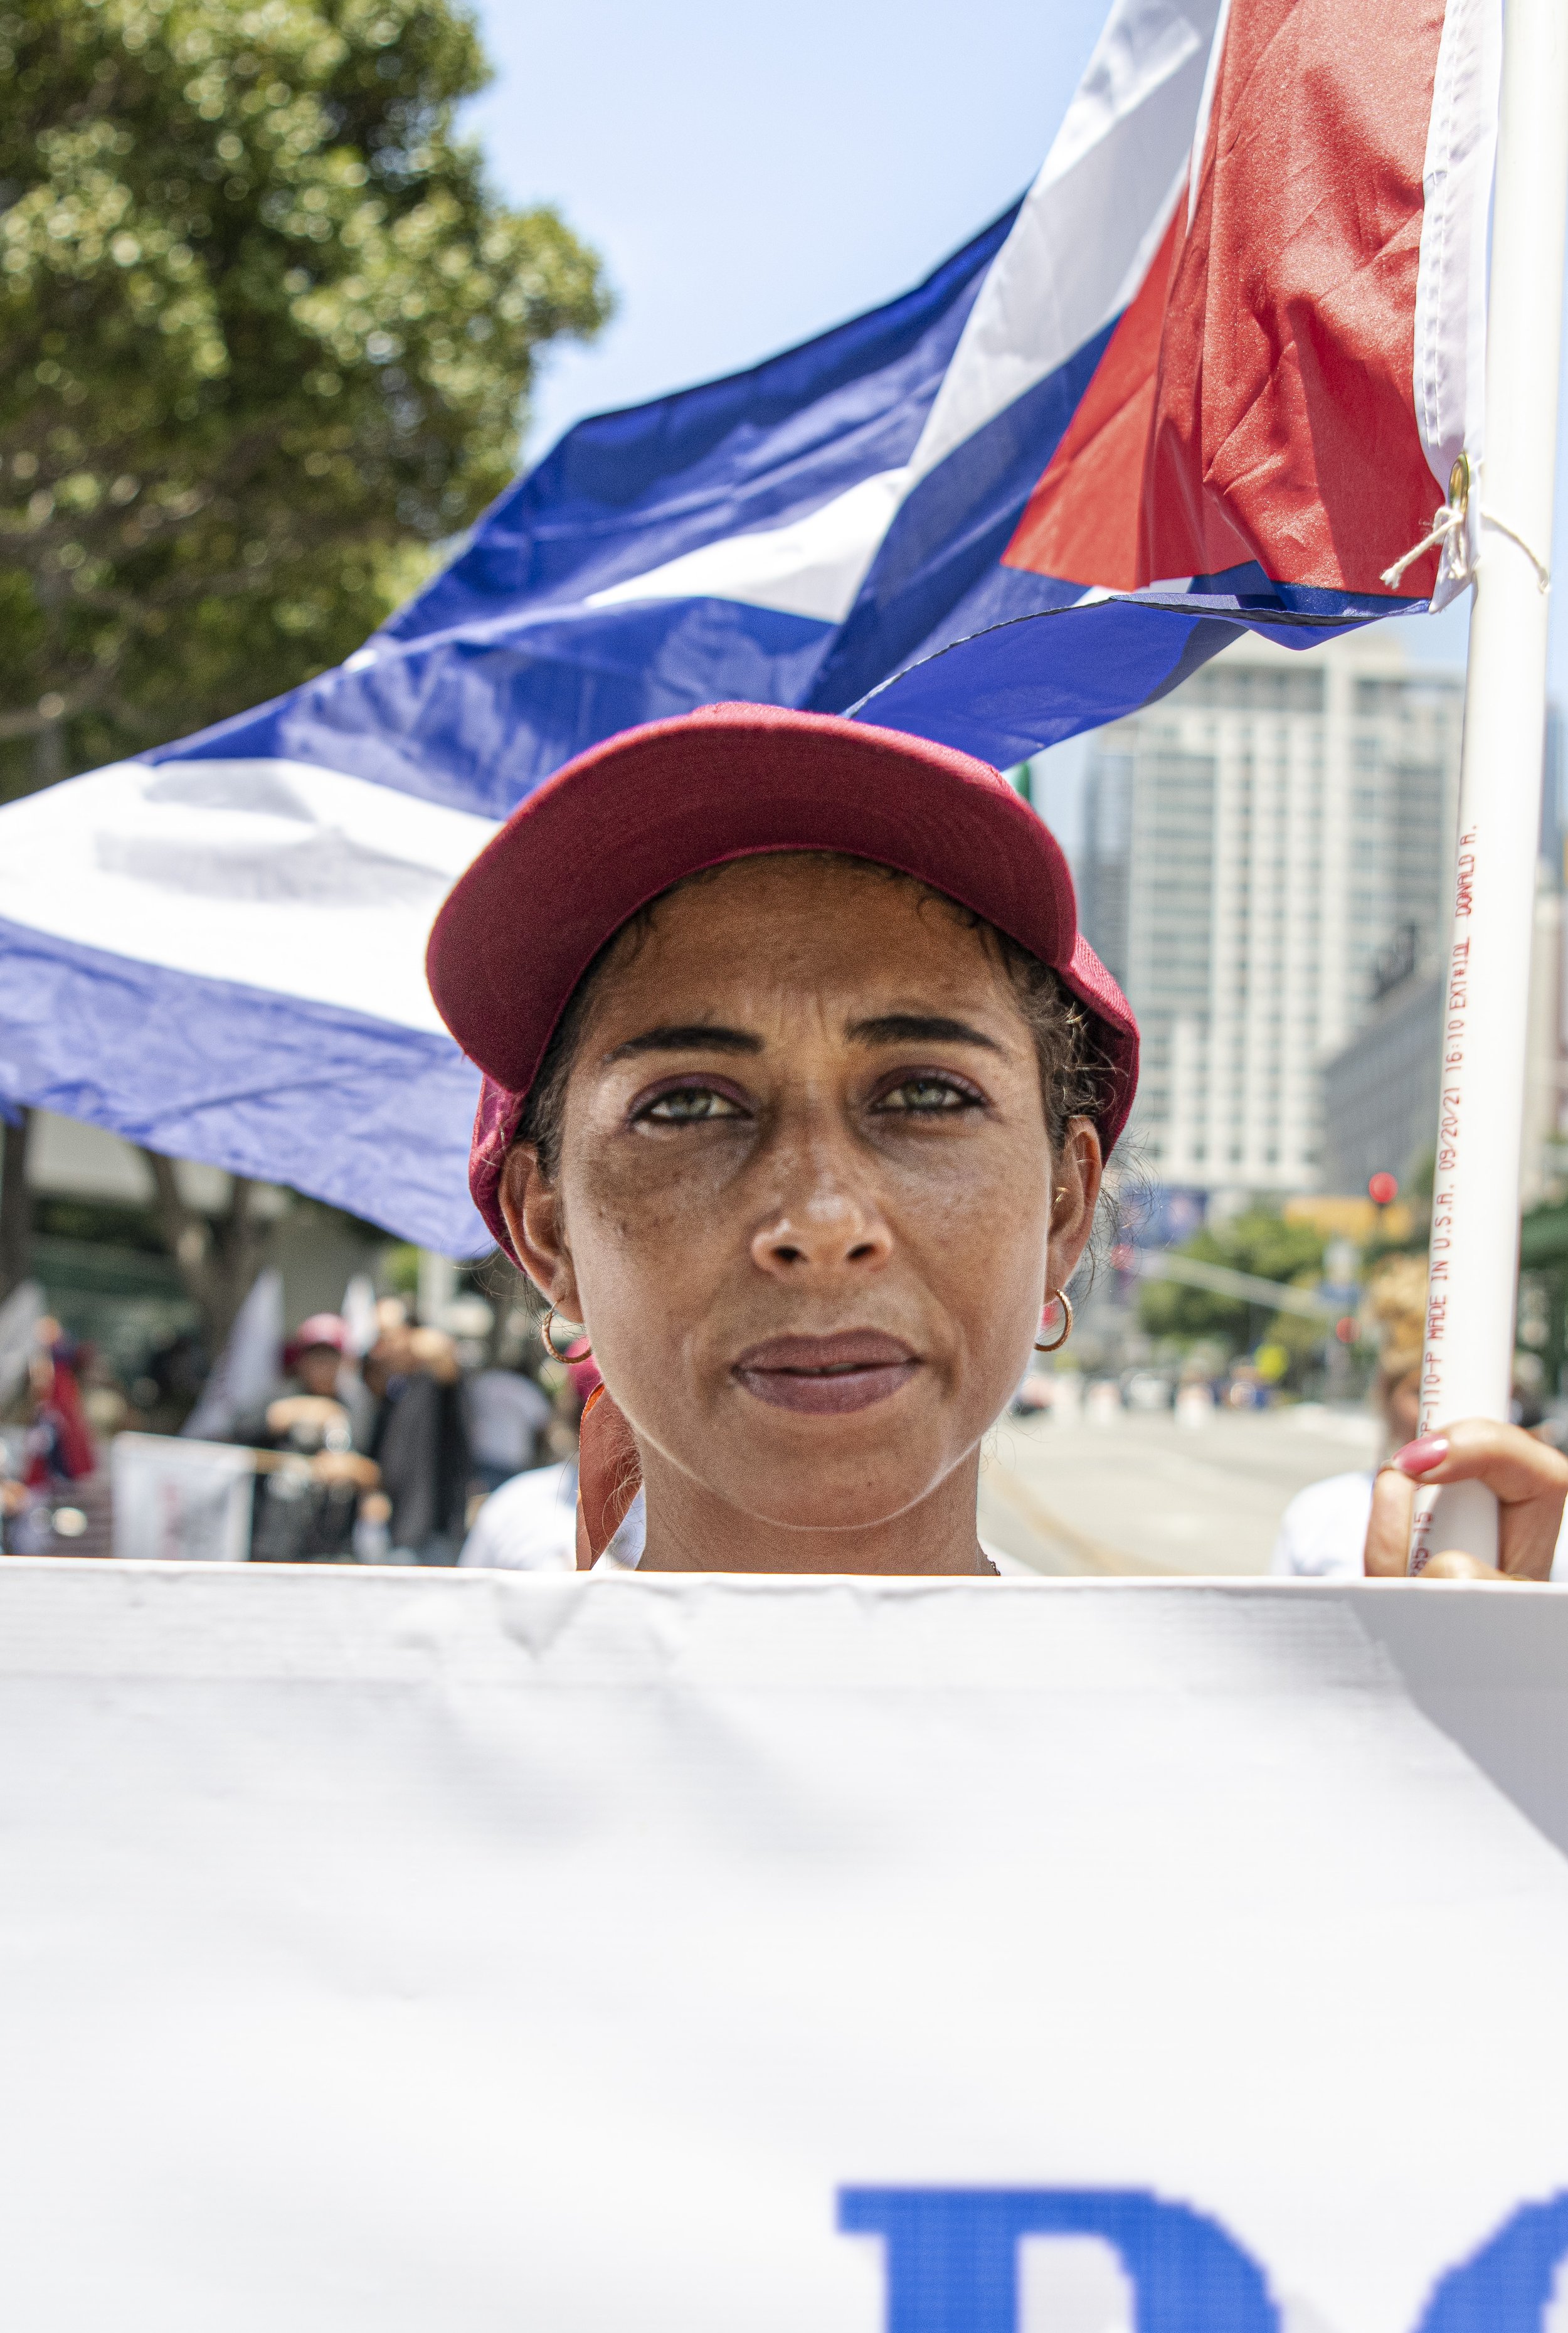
529,1525
1322,1532
624,1548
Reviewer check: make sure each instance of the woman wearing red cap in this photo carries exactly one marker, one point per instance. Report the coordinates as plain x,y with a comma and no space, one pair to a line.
799,1083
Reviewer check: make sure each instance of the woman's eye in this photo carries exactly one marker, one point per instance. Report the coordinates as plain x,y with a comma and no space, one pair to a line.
925,1097
688,1106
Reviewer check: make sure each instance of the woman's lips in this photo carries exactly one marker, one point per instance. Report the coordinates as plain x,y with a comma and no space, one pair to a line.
827,1375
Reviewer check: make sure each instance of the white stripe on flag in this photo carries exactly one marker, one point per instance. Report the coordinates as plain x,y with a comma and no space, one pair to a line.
1451,329
813,566
274,875
1093,221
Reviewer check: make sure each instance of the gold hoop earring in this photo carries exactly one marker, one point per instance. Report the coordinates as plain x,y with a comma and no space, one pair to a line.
1061,1297
546,1339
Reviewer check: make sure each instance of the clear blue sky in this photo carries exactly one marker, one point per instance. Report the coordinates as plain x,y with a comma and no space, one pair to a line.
752,175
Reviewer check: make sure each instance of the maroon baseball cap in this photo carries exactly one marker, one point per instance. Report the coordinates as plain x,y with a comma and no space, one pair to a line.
319,1329
638,813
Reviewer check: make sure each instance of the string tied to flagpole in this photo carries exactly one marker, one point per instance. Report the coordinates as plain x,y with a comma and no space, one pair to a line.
1543,572
1449,534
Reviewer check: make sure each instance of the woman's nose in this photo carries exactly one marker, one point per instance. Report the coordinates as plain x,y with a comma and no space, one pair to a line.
832,1230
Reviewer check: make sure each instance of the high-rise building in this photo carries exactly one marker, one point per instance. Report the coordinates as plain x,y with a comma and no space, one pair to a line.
1380,1090
1264,853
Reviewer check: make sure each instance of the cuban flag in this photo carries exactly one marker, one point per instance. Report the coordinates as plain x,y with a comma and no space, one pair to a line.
1212,370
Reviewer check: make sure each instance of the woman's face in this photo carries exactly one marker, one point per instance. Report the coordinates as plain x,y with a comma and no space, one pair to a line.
806,1204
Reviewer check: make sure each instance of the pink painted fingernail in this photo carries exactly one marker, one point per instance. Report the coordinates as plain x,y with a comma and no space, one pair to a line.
1420,1458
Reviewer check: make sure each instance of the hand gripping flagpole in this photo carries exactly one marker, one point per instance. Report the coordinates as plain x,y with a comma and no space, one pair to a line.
1467,1366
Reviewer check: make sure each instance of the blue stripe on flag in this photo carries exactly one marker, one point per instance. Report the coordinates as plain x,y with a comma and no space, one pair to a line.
368,1117
1004,594
1023,686
476,720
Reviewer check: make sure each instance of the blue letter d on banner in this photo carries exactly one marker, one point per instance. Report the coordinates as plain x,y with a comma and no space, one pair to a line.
953,2256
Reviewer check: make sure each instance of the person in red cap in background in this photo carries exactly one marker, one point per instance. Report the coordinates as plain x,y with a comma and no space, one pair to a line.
316,1359
799,1085
319,1426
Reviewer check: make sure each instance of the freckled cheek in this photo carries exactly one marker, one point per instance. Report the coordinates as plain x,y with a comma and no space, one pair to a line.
647,1245
977,1239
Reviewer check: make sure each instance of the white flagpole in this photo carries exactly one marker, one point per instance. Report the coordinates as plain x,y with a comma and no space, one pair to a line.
1467,1367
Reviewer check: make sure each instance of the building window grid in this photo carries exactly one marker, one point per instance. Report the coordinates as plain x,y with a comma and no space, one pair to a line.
1258,810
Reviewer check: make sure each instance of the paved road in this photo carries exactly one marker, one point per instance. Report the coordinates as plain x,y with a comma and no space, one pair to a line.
1143,1495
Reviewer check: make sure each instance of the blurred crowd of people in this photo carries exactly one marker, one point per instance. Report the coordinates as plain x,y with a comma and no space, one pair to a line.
425,1447
391,1457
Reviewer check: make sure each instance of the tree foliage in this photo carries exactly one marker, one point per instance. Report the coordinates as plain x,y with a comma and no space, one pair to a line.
269,337
1260,1242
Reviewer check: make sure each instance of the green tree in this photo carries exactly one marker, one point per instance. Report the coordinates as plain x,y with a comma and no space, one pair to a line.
1260,1242
269,339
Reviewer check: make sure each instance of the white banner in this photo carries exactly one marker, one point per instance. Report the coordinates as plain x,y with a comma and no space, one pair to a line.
391,1953
178,1501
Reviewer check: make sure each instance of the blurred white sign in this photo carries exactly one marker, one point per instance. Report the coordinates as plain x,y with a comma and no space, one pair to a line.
19,1317
470,1953
180,1501
249,1366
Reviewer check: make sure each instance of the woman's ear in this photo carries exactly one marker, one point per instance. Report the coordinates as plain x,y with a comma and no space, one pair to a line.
1080,1169
532,1208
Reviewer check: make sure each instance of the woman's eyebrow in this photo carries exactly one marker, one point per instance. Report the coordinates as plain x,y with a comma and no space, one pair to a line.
918,1029
687,1037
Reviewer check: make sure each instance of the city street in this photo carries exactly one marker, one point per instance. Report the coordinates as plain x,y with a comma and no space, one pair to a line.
1140,1494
